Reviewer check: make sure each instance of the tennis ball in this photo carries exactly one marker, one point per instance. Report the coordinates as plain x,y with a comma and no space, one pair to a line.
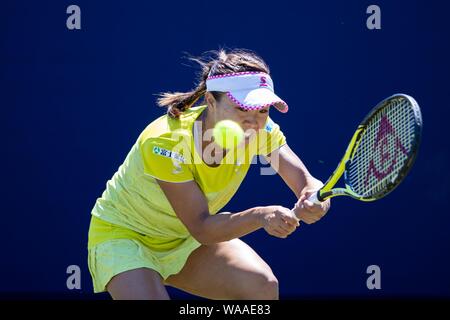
228,134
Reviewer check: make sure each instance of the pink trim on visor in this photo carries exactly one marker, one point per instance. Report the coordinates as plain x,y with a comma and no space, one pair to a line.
234,74
280,104
251,90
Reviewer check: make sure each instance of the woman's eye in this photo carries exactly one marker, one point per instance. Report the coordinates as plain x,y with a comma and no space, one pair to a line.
263,111
241,109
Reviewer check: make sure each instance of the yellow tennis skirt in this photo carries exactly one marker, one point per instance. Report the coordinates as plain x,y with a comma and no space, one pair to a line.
113,249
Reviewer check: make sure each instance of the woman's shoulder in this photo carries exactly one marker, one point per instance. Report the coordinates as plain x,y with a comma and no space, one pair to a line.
167,131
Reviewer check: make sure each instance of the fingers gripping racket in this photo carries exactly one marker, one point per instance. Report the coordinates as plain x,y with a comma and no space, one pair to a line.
380,153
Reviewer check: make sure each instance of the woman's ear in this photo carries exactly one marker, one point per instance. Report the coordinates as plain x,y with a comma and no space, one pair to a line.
210,100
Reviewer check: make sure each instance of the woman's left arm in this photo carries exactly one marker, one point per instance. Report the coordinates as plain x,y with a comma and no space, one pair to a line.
295,174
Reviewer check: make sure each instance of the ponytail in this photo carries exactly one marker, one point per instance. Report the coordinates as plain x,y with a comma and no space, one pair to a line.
178,102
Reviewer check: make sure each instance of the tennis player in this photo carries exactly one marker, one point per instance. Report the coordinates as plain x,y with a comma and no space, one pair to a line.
159,223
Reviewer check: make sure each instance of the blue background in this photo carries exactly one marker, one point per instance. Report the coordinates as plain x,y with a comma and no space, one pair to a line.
73,102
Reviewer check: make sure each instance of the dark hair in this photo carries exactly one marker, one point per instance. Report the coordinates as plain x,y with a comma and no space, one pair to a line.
216,63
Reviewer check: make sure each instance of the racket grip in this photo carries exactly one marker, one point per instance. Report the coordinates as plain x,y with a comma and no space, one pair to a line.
313,198
294,215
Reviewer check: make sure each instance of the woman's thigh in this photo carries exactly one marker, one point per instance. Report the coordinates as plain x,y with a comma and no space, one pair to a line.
226,270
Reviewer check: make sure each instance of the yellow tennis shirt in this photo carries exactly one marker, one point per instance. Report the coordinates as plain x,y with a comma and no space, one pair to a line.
168,150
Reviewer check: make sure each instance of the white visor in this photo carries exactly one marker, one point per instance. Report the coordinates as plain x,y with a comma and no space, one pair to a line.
249,90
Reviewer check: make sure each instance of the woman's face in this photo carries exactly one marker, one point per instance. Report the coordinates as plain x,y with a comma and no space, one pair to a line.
250,121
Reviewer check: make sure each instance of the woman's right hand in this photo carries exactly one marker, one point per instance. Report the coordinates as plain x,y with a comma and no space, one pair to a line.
278,221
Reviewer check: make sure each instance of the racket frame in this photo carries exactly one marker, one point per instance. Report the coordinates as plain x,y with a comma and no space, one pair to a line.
327,191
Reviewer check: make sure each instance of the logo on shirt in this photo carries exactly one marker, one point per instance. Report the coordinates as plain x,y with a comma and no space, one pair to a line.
168,154
269,126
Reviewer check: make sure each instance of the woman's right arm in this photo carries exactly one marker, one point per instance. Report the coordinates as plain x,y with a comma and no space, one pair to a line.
191,207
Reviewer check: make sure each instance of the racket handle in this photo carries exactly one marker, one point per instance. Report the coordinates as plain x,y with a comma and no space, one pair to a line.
313,198
294,215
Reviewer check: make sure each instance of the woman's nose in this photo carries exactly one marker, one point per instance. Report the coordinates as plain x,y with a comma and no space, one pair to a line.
251,122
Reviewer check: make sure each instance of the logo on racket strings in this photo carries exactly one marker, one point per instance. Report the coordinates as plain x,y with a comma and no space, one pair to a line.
386,150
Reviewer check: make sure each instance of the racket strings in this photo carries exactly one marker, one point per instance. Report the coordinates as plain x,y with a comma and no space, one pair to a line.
383,149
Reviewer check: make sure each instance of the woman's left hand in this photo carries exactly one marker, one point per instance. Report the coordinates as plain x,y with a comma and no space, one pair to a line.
306,210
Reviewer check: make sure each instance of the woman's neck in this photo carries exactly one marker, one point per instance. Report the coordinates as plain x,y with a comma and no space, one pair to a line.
207,122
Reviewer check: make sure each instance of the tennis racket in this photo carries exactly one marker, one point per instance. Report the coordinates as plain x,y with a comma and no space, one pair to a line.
380,153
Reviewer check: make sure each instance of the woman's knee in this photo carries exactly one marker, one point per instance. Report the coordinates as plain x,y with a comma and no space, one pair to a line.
269,289
260,286
137,284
